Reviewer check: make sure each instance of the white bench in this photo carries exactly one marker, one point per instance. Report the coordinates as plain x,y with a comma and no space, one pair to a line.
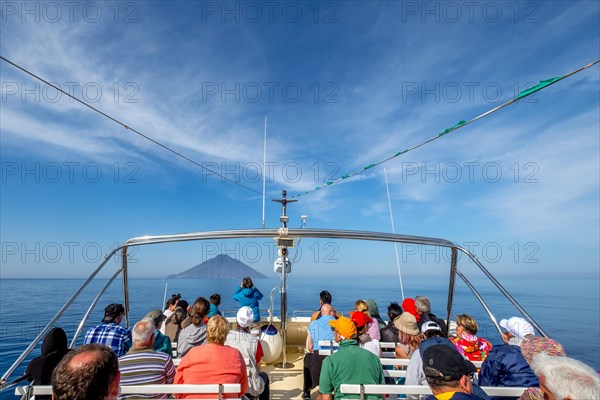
394,373
392,355
174,348
406,389
216,389
385,349
328,347
404,362
387,357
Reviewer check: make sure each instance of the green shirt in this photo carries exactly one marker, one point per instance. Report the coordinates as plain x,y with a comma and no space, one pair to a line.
352,365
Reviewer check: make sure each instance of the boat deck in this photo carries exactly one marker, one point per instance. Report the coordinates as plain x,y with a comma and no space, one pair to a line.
286,384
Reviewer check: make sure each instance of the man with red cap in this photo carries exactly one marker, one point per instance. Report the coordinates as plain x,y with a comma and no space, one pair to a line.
350,364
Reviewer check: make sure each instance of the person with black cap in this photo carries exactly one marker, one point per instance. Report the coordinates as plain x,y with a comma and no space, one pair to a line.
432,334
109,332
448,374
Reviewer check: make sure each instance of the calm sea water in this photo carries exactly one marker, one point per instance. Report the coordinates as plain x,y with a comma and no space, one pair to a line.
567,309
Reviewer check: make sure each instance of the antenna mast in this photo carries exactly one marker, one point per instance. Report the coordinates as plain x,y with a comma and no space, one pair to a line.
264,174
283,241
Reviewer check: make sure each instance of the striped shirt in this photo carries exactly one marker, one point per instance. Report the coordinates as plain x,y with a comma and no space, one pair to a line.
112,335
145,366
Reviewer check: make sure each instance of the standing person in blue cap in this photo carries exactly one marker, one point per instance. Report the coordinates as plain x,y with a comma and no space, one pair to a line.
248,295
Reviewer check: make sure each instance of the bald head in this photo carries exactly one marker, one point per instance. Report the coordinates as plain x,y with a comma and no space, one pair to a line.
327,309
83,360
143,333
89,373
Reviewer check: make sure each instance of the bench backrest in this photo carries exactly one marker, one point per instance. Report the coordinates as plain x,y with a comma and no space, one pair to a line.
328,347
410,389
217,389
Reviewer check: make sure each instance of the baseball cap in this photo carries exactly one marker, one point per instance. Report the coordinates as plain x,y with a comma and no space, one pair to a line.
112,312
245,317
157,316
344,326
360,318
442,363
517,327
407,323
430,326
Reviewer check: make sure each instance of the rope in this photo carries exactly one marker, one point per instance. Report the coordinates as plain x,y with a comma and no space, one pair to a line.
156,142
394,231
541,85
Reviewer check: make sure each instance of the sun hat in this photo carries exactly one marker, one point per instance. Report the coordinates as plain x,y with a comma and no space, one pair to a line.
430,326
444,363
537,345
245,317
344,326
407,323
360,318
517,327
157,316
112,312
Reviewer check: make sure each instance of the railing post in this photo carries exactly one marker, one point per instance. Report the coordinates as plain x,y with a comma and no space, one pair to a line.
125,284
28,392
48,326
483,303
91,308
453,269
504,292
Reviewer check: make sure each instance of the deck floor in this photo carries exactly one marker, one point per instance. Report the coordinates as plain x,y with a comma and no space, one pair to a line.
286,384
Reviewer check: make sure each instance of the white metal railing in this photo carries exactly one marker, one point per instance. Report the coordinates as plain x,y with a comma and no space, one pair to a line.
264,233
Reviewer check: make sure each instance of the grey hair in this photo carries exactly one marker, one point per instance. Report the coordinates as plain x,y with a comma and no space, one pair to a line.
567,378
142,331
422,304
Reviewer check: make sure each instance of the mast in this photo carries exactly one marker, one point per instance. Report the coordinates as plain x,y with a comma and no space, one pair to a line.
283,241
264,191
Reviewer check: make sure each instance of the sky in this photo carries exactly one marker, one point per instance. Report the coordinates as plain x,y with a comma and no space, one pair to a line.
342,85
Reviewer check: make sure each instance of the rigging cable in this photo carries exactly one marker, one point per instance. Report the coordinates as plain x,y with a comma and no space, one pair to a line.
541,85
387,188
156,142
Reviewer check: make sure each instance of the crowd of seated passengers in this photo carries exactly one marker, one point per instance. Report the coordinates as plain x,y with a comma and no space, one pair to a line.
148,361
145,353
417,329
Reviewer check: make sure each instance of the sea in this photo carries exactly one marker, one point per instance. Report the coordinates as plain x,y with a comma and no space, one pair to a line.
568,309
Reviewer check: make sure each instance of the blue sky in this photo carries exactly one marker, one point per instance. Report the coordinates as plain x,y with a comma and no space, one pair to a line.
343,85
